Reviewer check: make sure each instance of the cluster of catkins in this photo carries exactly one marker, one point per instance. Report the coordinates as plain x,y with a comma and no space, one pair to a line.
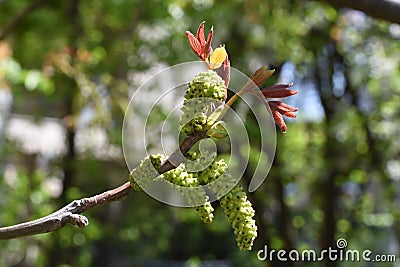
206,88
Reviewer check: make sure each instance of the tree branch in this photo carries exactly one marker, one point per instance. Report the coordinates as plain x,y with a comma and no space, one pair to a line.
67,214
381,9
71,212
178,156
20,16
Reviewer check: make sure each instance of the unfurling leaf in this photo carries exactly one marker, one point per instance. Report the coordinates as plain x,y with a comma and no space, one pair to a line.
258,78
194,44
200,34
278,91
279,120
281,107
217,57
207,46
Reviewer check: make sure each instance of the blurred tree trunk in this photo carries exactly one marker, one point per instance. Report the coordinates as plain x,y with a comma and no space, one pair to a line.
68,87
283,220
329,192
381,9
327,187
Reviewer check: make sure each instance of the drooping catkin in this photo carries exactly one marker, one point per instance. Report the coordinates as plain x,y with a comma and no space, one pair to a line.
240,214
182,180
235,204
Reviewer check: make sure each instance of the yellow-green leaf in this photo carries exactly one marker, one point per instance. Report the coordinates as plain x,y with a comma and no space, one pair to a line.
217,57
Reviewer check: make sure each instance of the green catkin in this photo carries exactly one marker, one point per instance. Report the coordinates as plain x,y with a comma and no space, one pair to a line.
240,214
205,89
235,204
181,178
146,172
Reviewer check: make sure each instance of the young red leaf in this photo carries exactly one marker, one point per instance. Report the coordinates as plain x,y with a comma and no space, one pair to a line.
277,93
278,86
260,75
194,44
279,121
289,114
225,72
207,47
281,107
200,34
258,78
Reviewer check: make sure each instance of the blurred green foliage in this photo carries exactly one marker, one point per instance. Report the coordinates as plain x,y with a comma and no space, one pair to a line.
335,174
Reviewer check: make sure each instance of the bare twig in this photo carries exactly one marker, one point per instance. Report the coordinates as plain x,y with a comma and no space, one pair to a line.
178,156
67,214
71,212
20,16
